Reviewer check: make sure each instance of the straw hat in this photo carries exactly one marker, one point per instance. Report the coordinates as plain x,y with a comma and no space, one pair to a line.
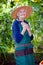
28,12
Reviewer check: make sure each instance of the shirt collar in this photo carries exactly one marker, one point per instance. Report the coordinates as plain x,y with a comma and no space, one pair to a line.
19,21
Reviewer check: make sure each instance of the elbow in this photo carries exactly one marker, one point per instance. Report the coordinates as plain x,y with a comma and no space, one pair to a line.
17,40
31,37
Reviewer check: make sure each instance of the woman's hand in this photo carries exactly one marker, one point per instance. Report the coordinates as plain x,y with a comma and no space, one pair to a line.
24,27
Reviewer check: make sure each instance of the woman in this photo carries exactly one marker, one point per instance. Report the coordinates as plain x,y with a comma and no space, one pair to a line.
22,36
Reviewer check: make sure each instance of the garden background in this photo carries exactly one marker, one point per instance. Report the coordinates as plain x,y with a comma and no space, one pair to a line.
35,22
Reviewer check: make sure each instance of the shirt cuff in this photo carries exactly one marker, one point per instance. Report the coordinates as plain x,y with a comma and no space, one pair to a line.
31,37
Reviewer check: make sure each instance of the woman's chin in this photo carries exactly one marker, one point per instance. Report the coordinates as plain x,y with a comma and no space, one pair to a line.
23,17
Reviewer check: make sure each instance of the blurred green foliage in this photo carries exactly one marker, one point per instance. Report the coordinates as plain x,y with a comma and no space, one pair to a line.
35,23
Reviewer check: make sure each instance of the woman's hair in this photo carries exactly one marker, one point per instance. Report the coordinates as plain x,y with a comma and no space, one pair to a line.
17,17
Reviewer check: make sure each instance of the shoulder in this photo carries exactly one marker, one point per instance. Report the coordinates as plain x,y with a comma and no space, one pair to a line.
15,23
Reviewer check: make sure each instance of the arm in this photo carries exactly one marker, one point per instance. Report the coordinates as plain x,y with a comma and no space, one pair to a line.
17,36
31,37
29,32
24,28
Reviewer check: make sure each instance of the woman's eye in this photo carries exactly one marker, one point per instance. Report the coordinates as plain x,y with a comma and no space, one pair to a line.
20,11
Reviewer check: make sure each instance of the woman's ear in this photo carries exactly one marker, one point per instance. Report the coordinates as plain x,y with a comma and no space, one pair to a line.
18,14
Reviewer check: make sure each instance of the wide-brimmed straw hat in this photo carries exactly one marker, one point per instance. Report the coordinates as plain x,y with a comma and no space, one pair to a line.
28,12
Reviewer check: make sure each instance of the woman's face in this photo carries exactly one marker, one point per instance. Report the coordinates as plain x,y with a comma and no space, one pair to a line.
21,14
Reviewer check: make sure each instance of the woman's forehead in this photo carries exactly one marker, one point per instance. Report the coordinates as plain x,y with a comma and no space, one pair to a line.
22,9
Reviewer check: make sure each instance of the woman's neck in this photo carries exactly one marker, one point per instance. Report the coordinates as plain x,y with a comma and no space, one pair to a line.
21,20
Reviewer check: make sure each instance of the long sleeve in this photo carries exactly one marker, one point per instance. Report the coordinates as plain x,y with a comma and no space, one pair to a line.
31,37
17,36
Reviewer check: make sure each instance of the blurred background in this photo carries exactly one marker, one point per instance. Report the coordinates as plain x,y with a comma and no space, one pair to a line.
35,22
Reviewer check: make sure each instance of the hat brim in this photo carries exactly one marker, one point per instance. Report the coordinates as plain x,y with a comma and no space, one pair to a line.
28,12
